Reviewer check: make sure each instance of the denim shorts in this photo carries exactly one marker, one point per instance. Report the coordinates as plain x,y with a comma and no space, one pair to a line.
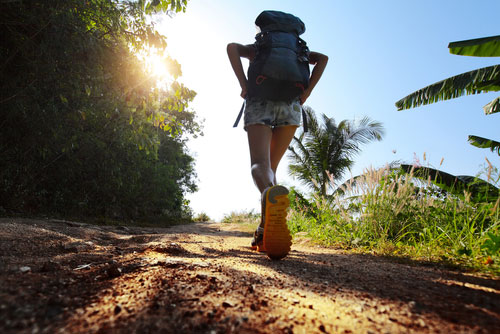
272,113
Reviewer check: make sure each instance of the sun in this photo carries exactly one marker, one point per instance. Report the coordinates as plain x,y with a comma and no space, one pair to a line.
157,64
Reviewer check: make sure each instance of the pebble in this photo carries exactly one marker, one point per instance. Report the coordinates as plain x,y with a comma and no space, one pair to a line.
25,269
227,304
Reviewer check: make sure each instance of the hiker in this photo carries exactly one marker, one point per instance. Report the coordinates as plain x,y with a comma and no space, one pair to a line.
272,112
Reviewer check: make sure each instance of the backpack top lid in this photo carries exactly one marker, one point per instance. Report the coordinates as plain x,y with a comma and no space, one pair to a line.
272,20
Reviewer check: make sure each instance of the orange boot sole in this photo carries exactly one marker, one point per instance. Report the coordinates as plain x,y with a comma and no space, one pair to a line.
277,240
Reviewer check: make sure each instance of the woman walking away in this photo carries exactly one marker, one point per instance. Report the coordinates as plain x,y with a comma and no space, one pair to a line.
279,82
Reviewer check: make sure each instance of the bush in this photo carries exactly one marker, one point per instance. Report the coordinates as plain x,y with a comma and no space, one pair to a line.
390,212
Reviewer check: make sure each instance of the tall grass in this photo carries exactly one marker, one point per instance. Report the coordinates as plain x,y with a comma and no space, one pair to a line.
392,213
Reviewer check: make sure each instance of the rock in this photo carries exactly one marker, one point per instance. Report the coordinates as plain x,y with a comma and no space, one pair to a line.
24,269
227,304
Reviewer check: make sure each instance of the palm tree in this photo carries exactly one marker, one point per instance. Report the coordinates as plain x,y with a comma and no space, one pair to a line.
326,151
485,79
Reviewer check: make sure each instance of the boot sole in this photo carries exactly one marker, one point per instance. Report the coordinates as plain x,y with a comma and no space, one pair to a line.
277,240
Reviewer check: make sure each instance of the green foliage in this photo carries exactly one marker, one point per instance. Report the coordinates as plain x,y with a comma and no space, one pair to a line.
485,79
243,217
485,143
492,107
84,128
475,188
491,245
479,47
391,212
327,151
202,217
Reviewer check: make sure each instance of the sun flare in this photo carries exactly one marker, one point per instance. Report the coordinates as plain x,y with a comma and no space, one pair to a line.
160,66
157,65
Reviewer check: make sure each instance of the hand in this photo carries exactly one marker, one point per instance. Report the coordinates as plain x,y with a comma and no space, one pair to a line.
243,93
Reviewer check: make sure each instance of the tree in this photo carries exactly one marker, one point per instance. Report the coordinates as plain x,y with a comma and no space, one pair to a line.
84,128
327,151
485,79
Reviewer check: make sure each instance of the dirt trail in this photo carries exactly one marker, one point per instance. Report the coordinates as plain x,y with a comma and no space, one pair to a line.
67,277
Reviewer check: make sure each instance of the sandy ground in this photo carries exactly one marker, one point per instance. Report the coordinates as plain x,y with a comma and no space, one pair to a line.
69,277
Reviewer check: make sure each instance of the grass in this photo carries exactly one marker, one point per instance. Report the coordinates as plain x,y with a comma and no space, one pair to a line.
389,213
248,220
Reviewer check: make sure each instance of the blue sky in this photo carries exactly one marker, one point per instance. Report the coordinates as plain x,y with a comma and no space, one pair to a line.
379,51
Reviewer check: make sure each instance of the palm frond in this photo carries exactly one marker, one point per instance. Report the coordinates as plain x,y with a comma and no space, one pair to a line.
485,79
325,153
479,47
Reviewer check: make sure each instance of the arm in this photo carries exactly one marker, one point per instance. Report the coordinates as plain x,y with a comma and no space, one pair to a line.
319,61
235,51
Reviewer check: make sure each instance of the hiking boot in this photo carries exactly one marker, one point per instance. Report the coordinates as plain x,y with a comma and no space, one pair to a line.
257,241
276,240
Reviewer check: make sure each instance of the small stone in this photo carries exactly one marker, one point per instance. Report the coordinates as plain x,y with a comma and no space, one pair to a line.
25,269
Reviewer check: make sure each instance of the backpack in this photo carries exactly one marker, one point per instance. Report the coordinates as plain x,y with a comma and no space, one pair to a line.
280,69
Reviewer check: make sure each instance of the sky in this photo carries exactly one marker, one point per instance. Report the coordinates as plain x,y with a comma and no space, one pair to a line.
379,52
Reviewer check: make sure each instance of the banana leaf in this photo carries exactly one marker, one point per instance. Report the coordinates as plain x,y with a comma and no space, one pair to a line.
485,79
479,47
492,107
479,189
455,184
485,143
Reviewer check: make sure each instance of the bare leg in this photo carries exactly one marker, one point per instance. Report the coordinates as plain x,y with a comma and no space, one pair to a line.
282,136
259,141
267,147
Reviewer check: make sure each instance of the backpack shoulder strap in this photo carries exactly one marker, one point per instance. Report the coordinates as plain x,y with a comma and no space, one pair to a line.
239,115
304,120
